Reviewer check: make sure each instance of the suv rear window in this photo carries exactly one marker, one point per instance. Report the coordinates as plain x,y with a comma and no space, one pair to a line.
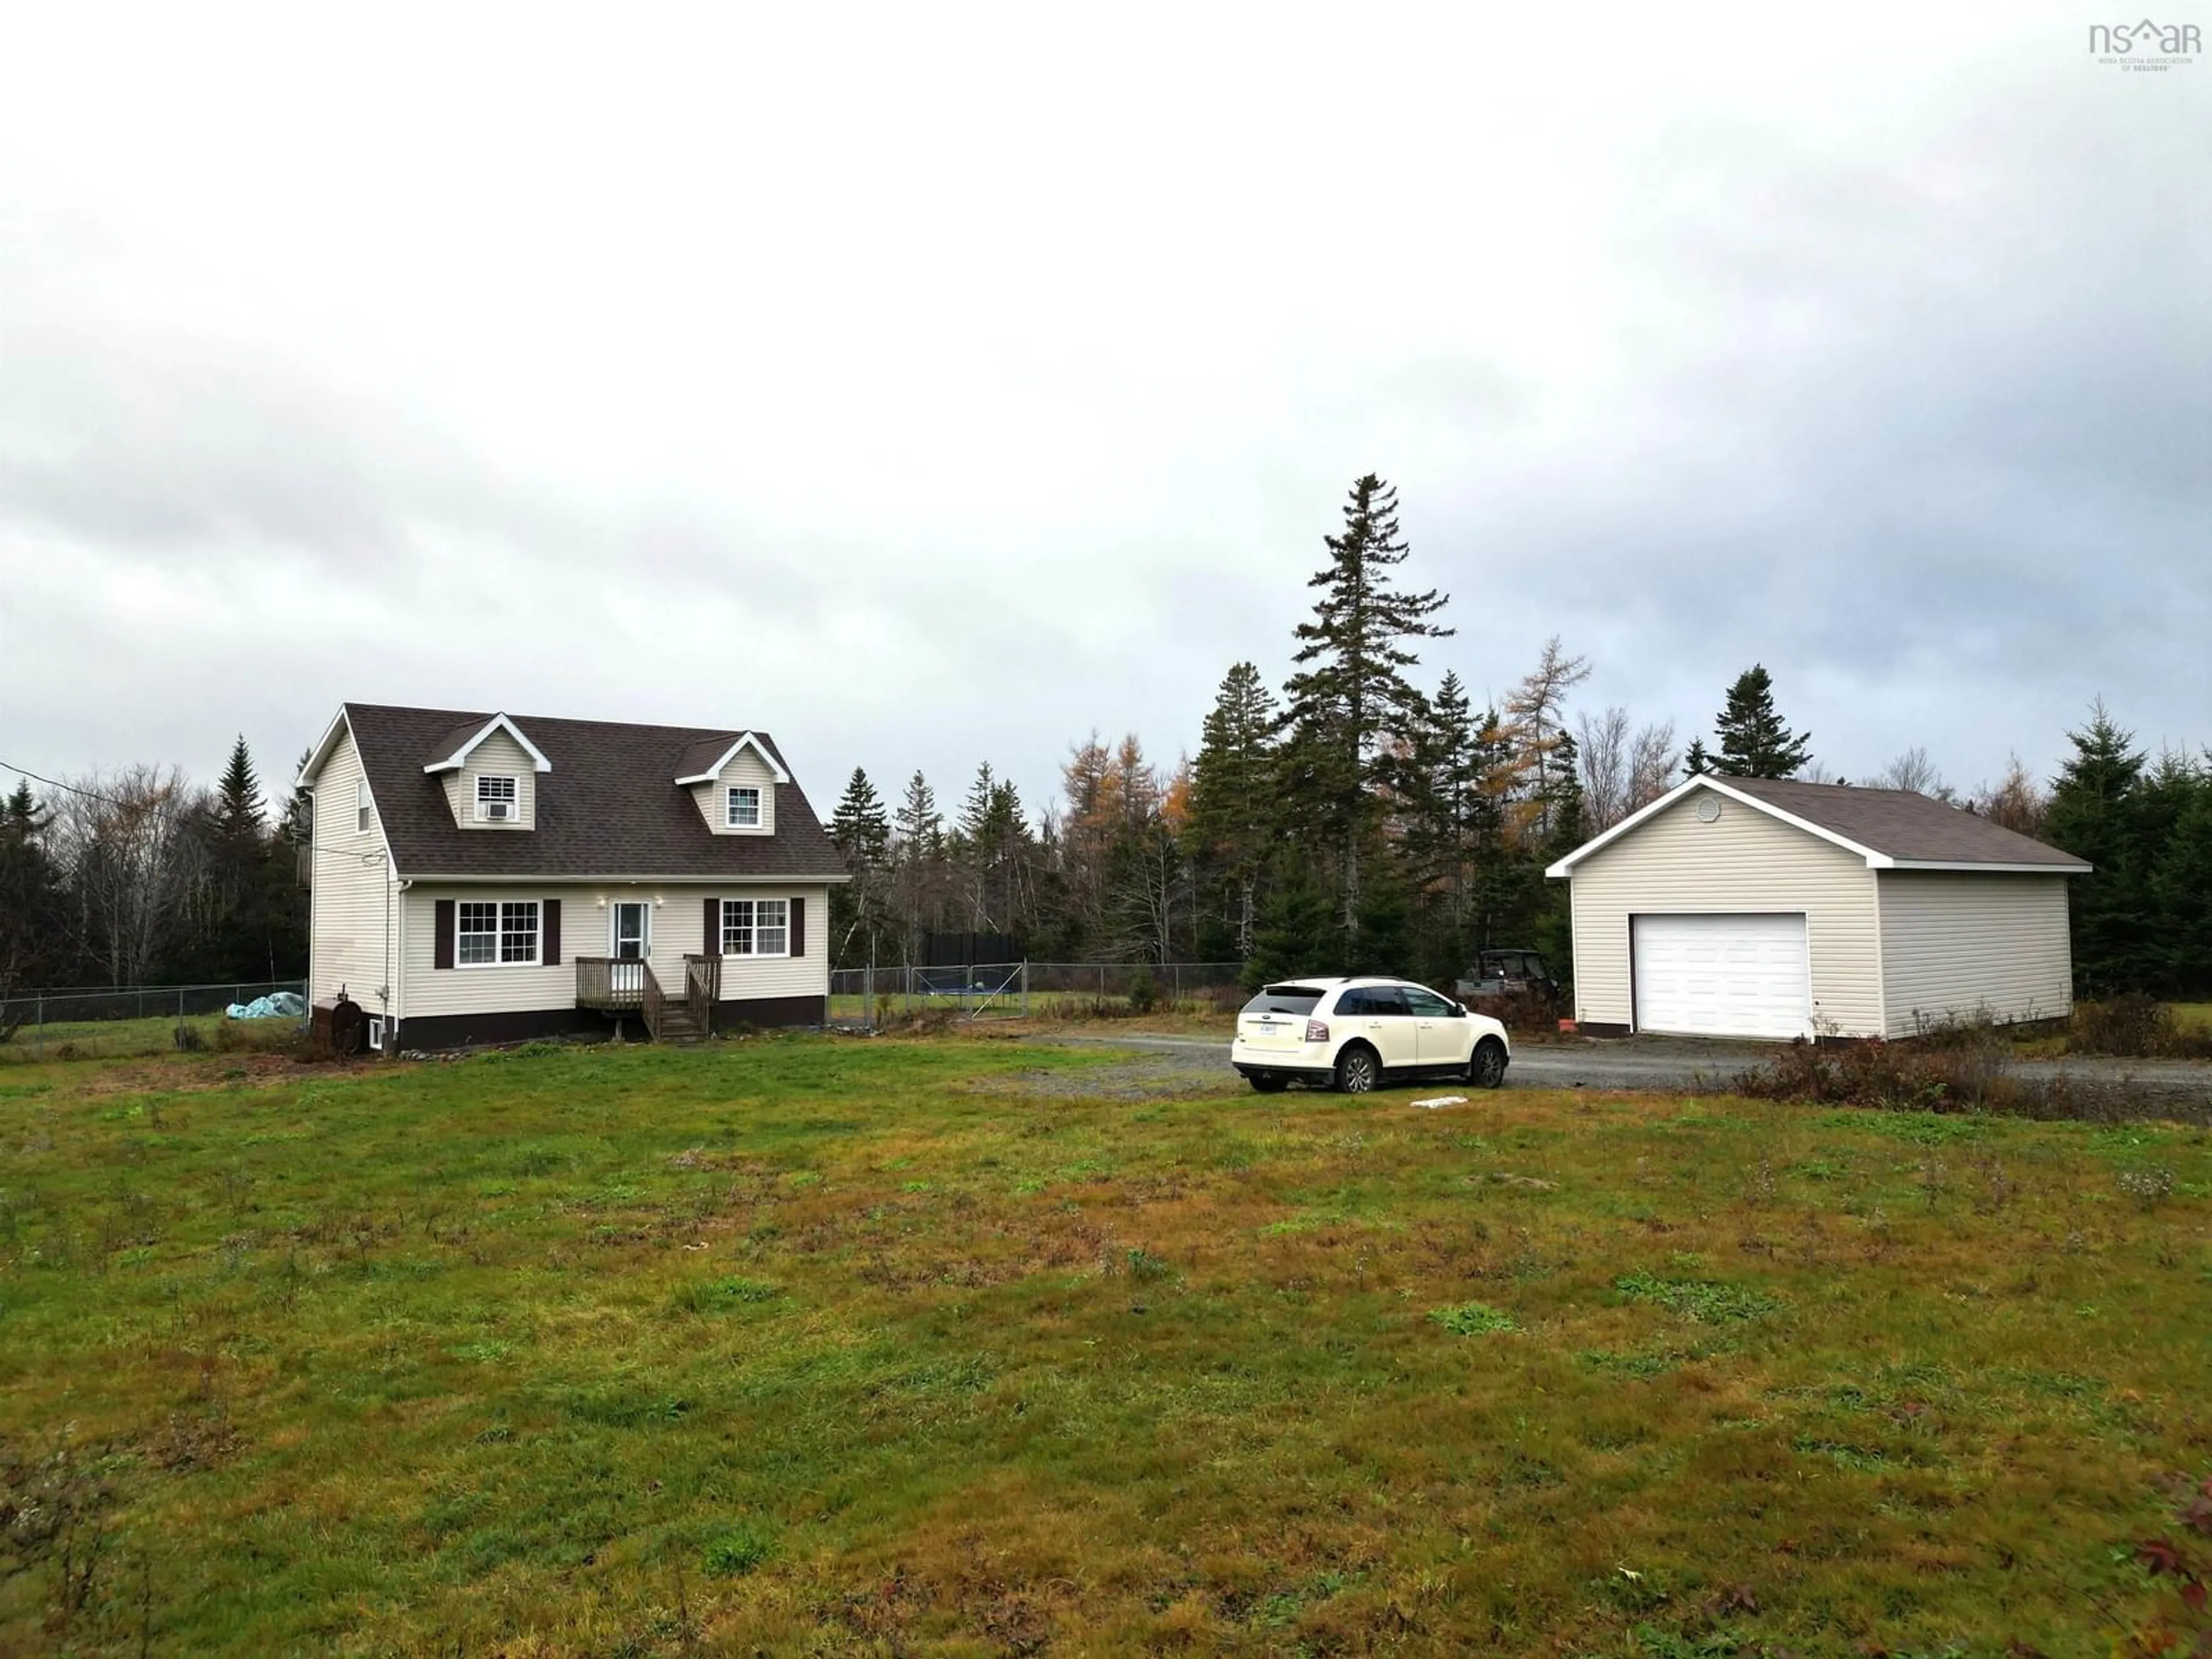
1284,1000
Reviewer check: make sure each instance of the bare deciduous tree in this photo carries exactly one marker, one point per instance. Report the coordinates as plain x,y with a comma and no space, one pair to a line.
1622,770
1913,770
1651,763
2017,801
130,841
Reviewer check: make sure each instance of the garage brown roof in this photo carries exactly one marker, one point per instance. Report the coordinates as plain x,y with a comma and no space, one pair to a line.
610,807
1902,826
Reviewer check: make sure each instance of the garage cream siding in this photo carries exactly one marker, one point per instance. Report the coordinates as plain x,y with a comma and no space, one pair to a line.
1743,862
351,885
676,930
1965,945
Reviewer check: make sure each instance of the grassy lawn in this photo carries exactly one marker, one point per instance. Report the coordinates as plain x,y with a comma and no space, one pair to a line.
2192,1016
820,1346
140,1039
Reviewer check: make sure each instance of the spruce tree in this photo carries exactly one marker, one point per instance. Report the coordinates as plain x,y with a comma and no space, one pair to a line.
859,827
918,854
1696,762
1297,932
862,835
1232,799
1755,741
1350,704
2094,814
30,899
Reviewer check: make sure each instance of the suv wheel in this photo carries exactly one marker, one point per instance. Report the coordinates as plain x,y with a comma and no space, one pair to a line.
1487,1069
1357,1070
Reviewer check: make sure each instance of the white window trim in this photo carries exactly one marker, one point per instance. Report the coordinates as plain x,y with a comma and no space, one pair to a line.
756,955
510,799
730,819
376,1033
538,939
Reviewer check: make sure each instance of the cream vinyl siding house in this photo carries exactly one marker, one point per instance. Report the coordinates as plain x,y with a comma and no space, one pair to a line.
487,877
1756,908
353,947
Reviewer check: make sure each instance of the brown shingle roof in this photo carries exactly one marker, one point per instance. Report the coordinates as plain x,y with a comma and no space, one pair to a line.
1910,828
609,807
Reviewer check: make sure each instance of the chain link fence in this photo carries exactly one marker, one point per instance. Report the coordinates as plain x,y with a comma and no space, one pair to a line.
126,1019
861,998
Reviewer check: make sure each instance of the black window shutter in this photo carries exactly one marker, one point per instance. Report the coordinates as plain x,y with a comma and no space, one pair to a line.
442,947
552,935
711,938
799,927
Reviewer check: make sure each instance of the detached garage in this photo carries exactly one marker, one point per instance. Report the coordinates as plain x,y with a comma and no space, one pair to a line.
1758,907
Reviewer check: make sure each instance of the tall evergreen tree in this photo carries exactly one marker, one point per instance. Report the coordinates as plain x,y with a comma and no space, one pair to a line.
2181,884
1755,741
1696,762
859,827
31,952
858,920
1297,932
2092,815
918,858
1349,709
1232,800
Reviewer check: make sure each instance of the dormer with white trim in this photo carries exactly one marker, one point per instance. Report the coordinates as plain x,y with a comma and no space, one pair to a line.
735,787
491,775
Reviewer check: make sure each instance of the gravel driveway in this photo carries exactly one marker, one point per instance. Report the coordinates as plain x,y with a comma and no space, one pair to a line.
1665,1063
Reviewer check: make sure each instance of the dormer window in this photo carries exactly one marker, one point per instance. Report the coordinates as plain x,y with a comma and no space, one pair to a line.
498,800
743,810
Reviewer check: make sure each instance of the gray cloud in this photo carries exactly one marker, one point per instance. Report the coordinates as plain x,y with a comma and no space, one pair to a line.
952,434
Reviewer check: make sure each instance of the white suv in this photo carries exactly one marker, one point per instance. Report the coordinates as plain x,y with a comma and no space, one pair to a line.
1353,1033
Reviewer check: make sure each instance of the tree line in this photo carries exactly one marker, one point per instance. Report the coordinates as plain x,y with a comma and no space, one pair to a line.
1359,820
141,877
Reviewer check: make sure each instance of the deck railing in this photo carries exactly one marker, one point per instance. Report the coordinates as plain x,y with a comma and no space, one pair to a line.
615,984
650,1001
703,988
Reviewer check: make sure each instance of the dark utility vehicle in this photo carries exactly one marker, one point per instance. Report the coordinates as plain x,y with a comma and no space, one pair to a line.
1505,974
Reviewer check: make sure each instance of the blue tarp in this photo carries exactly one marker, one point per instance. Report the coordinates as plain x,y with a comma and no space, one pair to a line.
280,1005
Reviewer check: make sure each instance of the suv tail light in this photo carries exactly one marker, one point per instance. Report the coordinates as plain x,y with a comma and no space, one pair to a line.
1316,1032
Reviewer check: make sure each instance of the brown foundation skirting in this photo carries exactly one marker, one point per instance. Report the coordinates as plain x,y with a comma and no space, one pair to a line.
1599,1028
465,1031
769,1010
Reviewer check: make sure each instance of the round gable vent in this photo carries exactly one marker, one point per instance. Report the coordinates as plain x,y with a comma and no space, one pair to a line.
1709,809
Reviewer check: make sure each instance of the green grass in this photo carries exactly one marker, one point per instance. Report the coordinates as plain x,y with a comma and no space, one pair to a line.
140,1039
2192,1016
812,1345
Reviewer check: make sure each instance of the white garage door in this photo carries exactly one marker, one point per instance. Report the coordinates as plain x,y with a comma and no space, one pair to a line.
1722,975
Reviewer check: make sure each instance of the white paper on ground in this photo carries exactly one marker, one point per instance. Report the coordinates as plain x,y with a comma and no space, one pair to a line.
1441,1100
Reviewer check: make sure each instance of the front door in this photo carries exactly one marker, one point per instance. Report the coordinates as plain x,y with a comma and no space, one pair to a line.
632,923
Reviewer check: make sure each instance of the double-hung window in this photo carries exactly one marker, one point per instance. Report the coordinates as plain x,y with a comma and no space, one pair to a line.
497,800
490,935
360,806
756,927
742,810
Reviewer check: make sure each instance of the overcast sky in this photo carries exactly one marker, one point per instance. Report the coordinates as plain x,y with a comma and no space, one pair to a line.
927,385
